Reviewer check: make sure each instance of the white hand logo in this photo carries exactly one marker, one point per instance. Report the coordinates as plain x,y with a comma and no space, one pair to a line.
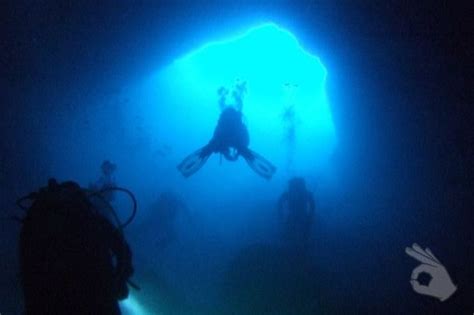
441,285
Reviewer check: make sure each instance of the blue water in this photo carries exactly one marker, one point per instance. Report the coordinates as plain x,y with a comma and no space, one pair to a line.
230,206
321,105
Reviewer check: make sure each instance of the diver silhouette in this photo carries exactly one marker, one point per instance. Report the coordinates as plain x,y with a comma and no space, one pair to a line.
166,210
72,259
296,209
230,138
106,180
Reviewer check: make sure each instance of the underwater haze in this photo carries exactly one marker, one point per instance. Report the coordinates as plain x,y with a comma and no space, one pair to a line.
335,95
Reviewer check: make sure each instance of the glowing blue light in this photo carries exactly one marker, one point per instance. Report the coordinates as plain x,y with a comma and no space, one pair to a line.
285,107
131,306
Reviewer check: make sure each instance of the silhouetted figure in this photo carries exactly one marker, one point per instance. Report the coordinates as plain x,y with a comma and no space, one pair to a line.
296,209
72,260
165,212
231,139
105,181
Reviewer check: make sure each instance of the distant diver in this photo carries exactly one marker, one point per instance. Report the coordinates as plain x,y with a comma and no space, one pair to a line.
165,212
290,121
106,180
296,209
231,139
72,259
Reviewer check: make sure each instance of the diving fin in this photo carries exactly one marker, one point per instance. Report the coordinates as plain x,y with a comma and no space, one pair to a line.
193,162
259,164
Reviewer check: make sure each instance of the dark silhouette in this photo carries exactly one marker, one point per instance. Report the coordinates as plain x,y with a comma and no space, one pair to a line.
105,181
72,259
165,213
296,209
231,139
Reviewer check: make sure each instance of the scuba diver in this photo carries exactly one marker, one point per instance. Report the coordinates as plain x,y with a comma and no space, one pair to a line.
160,231
166,210
231,139
296,209
72,259
106,180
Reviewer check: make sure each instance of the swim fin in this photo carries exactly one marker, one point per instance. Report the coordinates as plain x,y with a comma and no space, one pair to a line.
259,164
193,162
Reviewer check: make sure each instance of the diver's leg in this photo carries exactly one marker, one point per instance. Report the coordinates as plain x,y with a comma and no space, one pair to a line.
193,162
258,163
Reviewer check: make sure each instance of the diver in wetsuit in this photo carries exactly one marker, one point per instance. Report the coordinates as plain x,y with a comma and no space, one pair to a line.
231,139
72,259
